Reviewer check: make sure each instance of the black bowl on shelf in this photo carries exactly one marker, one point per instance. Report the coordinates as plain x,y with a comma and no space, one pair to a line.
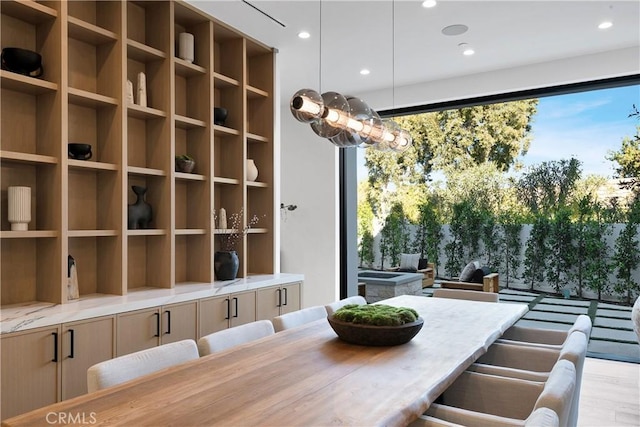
371,335
219,116
79,151
21,61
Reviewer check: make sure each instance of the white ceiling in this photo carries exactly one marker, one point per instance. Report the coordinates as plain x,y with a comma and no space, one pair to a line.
401,42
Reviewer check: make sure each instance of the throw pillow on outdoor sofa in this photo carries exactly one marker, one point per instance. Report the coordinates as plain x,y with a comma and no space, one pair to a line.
469,269
478,275
409,262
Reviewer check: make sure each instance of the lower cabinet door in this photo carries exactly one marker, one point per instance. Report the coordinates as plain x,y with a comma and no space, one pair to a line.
138,330
84,344
179,322
243,308
30,370
268,303
213,314
290,298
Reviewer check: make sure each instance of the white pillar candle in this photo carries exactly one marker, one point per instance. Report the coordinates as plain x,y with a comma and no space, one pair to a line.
19,204
186,47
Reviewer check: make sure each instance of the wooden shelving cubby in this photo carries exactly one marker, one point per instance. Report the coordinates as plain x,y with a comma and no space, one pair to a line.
90,49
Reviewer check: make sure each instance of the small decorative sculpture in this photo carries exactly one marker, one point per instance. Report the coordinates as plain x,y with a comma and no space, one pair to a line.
72,279
142,89
222,221
130,98
139,214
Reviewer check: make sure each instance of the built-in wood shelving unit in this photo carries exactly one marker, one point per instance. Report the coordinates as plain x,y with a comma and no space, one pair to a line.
90,49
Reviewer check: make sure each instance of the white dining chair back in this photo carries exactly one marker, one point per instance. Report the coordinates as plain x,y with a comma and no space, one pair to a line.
476,399
548,338
635,316
559,391
541,417
335,306
535,364
134,365
299,318
464,294
232,337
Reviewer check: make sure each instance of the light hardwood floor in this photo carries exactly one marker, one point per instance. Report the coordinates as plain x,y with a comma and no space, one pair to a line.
610,394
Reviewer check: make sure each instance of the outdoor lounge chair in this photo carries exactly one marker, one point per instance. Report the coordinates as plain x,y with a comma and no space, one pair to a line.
474,278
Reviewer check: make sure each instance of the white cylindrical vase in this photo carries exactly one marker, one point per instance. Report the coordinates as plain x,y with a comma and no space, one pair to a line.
19,204
252,170
186,47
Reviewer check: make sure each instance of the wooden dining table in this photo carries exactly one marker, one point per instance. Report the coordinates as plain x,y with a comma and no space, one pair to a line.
305,376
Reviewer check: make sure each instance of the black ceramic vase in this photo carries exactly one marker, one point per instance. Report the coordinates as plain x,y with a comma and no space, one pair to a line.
226,264
139,214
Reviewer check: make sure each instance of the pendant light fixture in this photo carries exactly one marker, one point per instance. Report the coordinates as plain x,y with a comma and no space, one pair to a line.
347,121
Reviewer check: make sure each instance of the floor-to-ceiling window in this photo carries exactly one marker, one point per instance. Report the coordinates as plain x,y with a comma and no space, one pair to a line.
484,172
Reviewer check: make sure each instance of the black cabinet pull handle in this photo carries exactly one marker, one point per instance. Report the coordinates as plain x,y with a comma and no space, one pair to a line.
168,321
228,309
55,347
286,297
235,301
279,291
157,324
72,338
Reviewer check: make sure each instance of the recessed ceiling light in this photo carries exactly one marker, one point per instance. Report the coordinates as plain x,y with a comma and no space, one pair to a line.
455,30
429,3
365,72
304,35
467,50
605,24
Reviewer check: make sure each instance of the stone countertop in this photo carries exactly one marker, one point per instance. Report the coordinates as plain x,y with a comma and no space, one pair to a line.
20,317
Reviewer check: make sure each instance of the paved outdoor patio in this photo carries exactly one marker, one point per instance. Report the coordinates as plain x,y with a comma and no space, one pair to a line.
612,336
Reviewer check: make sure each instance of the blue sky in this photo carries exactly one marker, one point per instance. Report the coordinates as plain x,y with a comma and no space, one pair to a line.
584,125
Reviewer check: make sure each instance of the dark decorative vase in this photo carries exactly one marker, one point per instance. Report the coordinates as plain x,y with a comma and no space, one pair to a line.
226,264
139,214
219,116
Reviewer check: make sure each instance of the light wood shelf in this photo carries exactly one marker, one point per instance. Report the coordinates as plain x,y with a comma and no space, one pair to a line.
81,30
30,234
90,49
89,99
26,84
14,156
28,11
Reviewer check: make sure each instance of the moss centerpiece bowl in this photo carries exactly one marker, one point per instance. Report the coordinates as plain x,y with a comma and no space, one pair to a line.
375,324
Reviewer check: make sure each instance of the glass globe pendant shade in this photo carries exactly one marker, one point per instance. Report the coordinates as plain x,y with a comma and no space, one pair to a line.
402,141
358,124
336,113
306,105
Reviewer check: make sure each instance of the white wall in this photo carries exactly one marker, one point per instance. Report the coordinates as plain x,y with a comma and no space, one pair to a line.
309,237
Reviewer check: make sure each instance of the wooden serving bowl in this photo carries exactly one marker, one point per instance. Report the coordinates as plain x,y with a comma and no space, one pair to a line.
371,335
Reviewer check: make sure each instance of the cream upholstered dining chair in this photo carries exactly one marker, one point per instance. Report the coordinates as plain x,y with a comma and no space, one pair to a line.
548,338
535,364
130,366
482,400
635,316
299,318
464,294
232,337
335,306
541,417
